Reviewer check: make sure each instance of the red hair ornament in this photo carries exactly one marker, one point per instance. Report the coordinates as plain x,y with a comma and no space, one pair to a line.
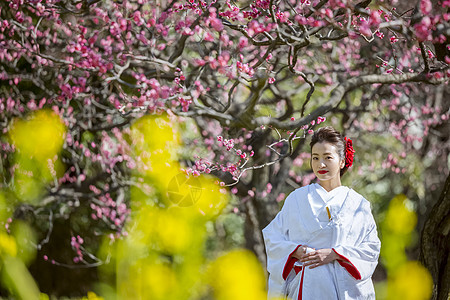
349,152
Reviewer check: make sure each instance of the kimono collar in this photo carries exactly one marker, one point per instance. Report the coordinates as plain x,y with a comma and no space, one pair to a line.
326,196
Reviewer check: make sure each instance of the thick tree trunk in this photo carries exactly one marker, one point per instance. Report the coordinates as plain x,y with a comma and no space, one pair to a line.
261,210
435,245
253,235
259,213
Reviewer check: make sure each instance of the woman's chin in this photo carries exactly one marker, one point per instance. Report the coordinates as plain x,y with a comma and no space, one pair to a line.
322,177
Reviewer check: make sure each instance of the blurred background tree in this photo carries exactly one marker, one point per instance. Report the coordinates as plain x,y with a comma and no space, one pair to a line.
89,179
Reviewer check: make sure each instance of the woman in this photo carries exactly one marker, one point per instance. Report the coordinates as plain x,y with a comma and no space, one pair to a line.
323,244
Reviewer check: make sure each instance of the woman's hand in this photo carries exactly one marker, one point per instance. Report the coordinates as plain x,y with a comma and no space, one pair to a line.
318,258
300,252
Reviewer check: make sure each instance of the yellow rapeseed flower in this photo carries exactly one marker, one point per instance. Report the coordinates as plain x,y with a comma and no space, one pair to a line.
411,281
92,296
38,139
397,229
8,245
147,279
212,198
400,218
155,142
237,275
41,135
43,296
160,281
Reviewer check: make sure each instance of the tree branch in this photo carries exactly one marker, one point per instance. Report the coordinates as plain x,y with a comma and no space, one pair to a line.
338,93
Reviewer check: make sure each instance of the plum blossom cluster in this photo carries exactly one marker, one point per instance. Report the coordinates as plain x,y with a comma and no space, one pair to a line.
414,126
283,17
238,168
256,9
184,102
392,163
112,212
427,24
256,27
228,164
307,127
234,14
428,116
8,224
299,176
244,68
253,193
203,165
179,76
88,51
319,120
76,243
229,145
114,150
213,21
221,63
6,148
107,155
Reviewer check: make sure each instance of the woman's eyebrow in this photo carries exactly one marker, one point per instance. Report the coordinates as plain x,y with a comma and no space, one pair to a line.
326,153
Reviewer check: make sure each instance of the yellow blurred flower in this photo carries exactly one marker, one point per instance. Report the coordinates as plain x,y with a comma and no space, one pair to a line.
163,255
7,245
172,231
41,135
400,218
155,142
160,281
406,279
154,132
147,278
212,198
397,229
92,296
237,275
43,296
411,281
38,140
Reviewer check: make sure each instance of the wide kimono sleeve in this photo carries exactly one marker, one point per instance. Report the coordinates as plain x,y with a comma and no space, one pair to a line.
279,248
360,250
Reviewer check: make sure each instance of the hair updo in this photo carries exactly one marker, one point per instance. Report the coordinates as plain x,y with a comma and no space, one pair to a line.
330,135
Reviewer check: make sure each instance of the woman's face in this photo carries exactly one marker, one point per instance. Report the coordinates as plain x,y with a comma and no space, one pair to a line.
325,161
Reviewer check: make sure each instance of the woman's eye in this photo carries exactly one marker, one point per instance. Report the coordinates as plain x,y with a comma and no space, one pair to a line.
329,157
315,158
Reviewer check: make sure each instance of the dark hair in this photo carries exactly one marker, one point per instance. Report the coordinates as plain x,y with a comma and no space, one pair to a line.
330,135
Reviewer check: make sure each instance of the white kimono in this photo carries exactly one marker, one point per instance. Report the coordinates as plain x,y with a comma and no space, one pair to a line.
351,233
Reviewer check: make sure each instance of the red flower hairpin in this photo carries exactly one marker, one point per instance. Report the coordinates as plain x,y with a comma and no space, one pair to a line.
349,152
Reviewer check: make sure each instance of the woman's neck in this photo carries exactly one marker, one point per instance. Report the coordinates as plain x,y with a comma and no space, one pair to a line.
330,185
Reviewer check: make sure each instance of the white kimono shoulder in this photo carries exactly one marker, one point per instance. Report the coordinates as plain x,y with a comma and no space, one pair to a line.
341,220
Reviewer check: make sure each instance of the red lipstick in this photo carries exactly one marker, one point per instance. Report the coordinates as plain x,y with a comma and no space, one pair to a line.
322,172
